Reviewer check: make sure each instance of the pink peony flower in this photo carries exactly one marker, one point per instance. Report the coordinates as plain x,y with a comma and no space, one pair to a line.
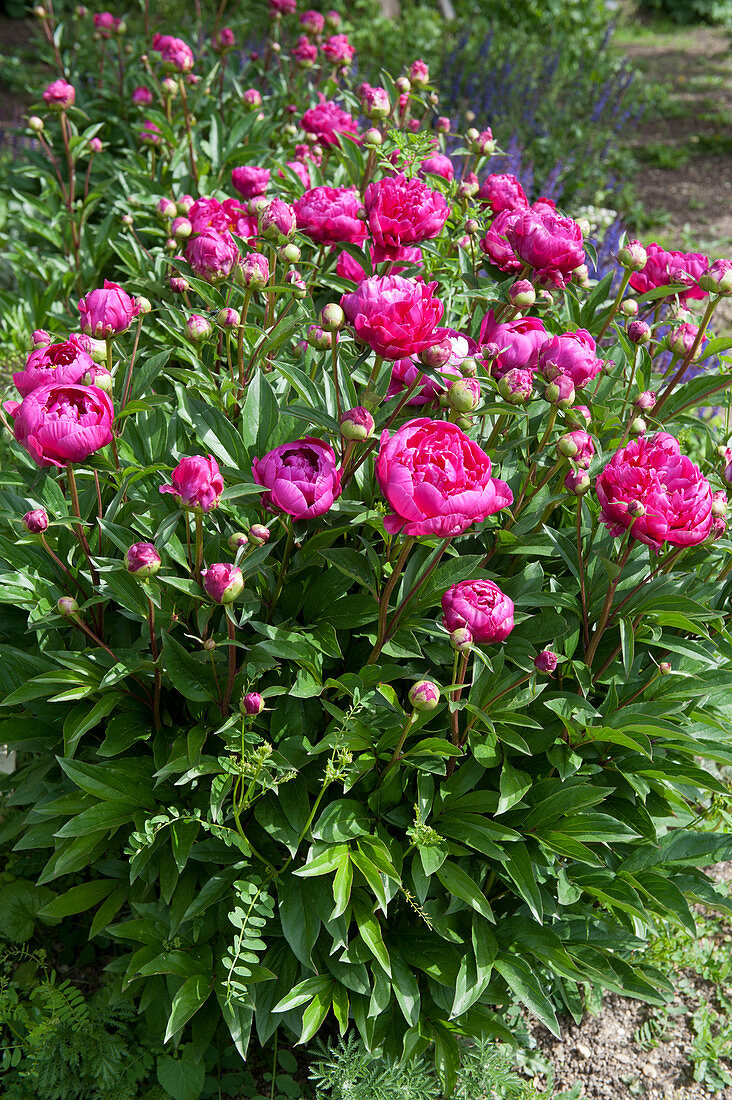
495,243
338,50
396,317
175,54
222,582
663,268
502,191
650,487
305,52
330,214
206,213
67,364
106,23
550,244
406,371
150,134
212,255
520,342
301,477
438,165
35,522
282,7
573,354
375,102
240,221
107,312
436,480
255,270
223,40
327,121
579,446
196,482
481,607
142,559
402,211
251,98
301,171
63,424
250,181
312,22
59,95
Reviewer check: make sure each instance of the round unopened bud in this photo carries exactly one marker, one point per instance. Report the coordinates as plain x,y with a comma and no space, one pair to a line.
546,661
581,275
144,305
289,252
522,294
516,386
259,534
468,189
237,540
472,227
95,145
357,424
166,208
464,395
209,645
169,87
436,356
577,482
632,256
319,339
199,328
67,605
638,426
251,704
471,135
332,317
373,137
184,204
228,317
403,85
179,284
181,228
97,349
461,639
171,245
629,307
645,401
296,281
567,447
127,220
717,279
424,695
143,560
442,125
35,522
664,668
636,509
560,392
41,338
222,582
103,382
36,124
469,367
639,332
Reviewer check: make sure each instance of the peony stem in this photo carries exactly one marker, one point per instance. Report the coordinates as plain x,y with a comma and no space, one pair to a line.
591,650
416,586
336,383
583,584
231,629
381,637
283,569
154,648
199,547
400,745
615,306
73,493
712,305
128,379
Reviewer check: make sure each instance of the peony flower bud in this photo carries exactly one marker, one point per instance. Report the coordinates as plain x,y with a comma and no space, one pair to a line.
516,386
143,560
332,317
464,395
522,294
166,208
560,392
277,222
402,85
178,284
59,96
437,355
252,99
577,482
629,307
40,338
373,138
717,279
295,279
35,522
567,447
633,256
237,540
357,424
638,426
222,582
645,401
424,696
251,704
36,124
289,252
442,125
181,228
254,270
461,639
636,509
468,189
259,534
199,328
665,668
318,339
546,661
469,367
719,504
228,317
681,340
67,605
419,74
639,332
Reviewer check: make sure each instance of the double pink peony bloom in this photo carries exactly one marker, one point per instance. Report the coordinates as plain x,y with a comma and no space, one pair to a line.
650,487
59,95
67,364
250,181
62,424
436,480
519,342
481,607
301,477
502,191
548,243
402,211
196,482
328,215
663,268
572,354
327,121
107,312
396,317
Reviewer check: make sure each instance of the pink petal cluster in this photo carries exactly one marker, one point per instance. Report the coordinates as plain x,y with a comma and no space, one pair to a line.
481,607
552,245
312,22
650,487
174,53
282,7
143,559
495,243
396,317
62,424
519,341
67,363
338,50
663,268
438,165
107,312
331,214
249,180
502,191
572,354
305,52
402,211
59,95
327,121
301,477
196,482
212,255
436,480
142,96
222,582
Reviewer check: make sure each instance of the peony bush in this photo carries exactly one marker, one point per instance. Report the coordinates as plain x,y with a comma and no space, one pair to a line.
365,569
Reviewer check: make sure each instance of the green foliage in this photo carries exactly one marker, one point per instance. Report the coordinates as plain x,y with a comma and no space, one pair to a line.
693,11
